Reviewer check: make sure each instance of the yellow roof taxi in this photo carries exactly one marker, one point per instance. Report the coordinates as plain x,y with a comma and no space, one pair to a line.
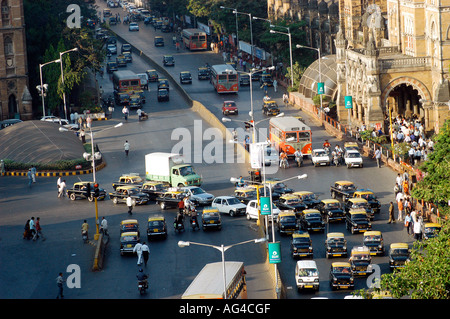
374,241
336,245
431,230
398,255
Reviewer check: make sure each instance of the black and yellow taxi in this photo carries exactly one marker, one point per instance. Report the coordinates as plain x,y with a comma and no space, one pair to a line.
152,75
245,194
211,218
129,225
287,222
121,193
127,242
121,98
266,78
159,41
331,210
203,73
168,60
351,146
290,202
399,255
128,179
111,66
121,61
278,187
153,189
373,240
128,57
361,261
359,203
310,199
85,190
156,227
370,197
301,245
185,77
163,84
270,107
141,95
163,95
311,221
357,221
341,276
135,102
431,230
336,245
170,198
342,189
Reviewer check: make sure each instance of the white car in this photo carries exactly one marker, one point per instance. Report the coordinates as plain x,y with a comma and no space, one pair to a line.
252,210
320,157
133,27
353,158
197,195
144,80
229,205
62,122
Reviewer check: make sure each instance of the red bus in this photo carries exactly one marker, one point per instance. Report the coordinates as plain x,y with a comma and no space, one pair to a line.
194,39
224,78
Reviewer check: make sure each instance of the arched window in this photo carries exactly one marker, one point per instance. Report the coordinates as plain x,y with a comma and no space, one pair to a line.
6,19
12,106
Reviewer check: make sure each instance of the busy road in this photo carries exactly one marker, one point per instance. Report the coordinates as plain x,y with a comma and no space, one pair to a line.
171,269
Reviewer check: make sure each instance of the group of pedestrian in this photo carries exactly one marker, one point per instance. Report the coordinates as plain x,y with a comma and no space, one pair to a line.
407,212
143,252
32,229
31,174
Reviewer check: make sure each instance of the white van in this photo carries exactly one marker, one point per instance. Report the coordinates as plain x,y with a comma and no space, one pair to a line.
144,80
306,275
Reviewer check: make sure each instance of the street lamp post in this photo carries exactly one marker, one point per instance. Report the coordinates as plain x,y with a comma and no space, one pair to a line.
290,48
251,30
320,70
43,88
222,250
62,78
237,31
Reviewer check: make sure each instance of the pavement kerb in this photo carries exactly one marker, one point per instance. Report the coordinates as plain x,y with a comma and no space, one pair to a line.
55,173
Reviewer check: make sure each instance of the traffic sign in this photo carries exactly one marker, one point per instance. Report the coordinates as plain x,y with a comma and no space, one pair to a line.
348,102
265,205
274,253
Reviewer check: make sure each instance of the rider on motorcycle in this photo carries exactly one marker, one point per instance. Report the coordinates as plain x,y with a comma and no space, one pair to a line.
283,159
194,218
142,277
298,157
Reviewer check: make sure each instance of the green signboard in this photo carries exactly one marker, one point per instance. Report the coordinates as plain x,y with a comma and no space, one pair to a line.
274,253
320,88
265,205
348,102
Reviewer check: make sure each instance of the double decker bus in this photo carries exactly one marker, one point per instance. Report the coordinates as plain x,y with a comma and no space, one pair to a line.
288,134
126,81
209,282
224,78
194,39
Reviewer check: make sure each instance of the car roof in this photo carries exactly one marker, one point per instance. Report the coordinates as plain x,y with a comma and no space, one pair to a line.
340,264
302,234
360,250
307,263
210,210
336,234
372,233
303,193
156,218
310,211
399,245
129,221
344,182
286,213
357,200
129,233
432,225
330,200
357,211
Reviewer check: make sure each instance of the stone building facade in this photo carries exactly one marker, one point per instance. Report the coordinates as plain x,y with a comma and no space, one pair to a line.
391,55
15,98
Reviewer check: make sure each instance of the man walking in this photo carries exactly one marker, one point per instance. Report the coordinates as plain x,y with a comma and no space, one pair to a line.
129,204
391,213
59,282
138,250
145,253
377,156
126,146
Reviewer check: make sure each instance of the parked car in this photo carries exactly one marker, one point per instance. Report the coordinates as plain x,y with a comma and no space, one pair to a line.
229,205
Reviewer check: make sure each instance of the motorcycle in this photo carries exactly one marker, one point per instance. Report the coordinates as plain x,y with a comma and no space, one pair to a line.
299,161
194,223
178,226
142,286
84,235
284,163
336,160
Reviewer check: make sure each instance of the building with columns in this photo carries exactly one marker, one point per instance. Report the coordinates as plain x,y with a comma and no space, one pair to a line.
390,55
15,97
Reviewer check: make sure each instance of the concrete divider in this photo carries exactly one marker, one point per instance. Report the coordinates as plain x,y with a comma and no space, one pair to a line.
99,253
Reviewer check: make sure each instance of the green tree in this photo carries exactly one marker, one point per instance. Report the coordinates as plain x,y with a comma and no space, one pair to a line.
297,73
427,275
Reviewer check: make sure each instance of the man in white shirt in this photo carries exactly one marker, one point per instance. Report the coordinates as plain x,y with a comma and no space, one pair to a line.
138,250
126,146
130,204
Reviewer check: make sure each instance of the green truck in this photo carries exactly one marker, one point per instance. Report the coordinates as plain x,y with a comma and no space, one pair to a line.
169,168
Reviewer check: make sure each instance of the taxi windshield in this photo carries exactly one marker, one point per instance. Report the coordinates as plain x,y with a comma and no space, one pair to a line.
248,194
287,219
133,191
211,215
342,270
156,224
359,205
336,241
359,216
368,196
372,238
400,252
293,201
300,240
348,187
128,239
332,206
197,191
308,197
313,216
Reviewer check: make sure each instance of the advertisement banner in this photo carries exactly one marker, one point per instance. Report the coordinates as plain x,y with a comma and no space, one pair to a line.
274,253
266,209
